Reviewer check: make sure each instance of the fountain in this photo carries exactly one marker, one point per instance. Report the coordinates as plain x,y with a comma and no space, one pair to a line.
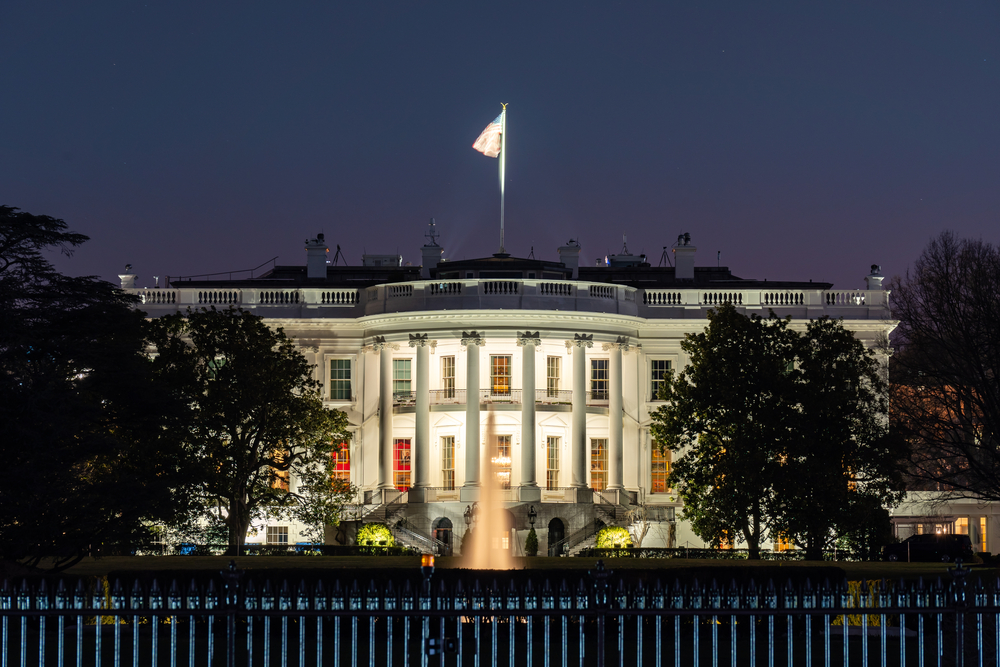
490,519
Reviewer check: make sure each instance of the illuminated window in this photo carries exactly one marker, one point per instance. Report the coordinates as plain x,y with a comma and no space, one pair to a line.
982,533
280,478
783,543
553,373
599,375
501,462
660,469
598,464
448,376
401,376
962,525
448,462
342,467
340,379
552,463
659,368
500,375
401,463
725,542
277,535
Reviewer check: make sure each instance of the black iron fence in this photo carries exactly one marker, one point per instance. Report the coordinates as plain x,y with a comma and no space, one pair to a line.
500,618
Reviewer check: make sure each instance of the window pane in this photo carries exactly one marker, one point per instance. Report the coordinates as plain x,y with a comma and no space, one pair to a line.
448,376
599,375
552,463
500,375
553,368
342,466
401,376
401,463
660,468
501,462
658,368
448,462
598,464
340,379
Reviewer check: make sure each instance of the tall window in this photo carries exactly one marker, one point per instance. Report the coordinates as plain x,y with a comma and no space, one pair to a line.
598,464
500,375
341,477
599,375
340,379
982,533
401,463
501,462
448,462
553,373
448,376
401,376
660,470
659,368
552,463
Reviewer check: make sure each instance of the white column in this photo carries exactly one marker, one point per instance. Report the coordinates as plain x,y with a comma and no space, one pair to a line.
422,433
529,489
384,412
578,443
471,341
616,424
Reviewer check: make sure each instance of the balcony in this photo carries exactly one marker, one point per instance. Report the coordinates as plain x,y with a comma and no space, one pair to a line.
488,397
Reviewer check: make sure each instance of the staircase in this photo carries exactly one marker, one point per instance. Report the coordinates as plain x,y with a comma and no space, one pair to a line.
388,512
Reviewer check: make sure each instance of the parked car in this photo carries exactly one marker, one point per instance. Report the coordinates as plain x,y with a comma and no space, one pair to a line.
930,547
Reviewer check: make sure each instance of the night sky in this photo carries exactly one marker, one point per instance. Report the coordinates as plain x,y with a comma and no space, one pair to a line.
803,140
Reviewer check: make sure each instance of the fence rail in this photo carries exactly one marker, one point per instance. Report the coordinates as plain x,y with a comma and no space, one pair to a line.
500,618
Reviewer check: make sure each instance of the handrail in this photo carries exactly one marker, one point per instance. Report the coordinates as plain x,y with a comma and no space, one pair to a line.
436,546
577,537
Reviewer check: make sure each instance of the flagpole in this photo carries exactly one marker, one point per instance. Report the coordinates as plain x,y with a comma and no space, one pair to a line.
503,166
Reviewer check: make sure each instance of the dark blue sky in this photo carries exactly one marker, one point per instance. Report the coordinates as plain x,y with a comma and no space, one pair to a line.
803,140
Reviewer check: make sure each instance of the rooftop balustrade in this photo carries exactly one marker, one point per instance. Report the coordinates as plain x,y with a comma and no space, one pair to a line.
475,294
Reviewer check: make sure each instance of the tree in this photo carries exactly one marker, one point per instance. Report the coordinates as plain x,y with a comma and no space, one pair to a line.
88,460
946,370
729,412
256,415
840,461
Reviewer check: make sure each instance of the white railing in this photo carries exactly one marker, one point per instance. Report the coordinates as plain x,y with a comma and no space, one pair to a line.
820,299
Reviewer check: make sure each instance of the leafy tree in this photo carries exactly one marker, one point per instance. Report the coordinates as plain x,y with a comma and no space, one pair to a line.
321,497
840,461
256,415
729,413
531,543
946,370
86,448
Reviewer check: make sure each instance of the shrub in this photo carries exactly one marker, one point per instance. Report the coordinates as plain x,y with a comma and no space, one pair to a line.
613,537
375,535
531,543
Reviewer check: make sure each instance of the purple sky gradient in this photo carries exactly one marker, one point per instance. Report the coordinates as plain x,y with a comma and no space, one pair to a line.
803,140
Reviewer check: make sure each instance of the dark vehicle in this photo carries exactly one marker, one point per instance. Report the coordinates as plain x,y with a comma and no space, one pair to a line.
931,547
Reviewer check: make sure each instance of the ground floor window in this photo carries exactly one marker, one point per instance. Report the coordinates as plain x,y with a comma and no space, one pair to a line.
598,464
448,462
552,463
501,462
783,543
277,535
401,464
660,469
342,467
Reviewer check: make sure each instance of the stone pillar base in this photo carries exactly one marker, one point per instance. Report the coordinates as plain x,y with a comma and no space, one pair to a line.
584,495
529,494
468,494
417,494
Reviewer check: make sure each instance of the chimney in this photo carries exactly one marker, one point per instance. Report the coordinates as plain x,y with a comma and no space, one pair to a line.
569,255
316,251
127,278
684,258
430,252
875,278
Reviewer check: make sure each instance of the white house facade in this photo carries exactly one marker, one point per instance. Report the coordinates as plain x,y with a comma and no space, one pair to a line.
563,360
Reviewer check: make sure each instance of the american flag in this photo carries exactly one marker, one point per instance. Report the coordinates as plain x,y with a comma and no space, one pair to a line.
488,142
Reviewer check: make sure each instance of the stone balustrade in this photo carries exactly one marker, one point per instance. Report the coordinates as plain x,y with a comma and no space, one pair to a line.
472,294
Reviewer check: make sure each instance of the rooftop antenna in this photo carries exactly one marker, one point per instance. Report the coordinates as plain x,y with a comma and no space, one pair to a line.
531,255
718,258
625,245
339,255
665,257
431,235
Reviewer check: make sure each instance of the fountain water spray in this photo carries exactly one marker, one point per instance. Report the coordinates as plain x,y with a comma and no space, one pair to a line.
492,523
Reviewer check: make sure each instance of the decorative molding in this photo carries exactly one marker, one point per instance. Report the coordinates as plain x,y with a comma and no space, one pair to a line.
418,340
472,338
528,338
581,340
621,344
379,344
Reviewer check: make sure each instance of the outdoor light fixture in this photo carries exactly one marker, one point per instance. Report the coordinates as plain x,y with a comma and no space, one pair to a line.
532,515
467,516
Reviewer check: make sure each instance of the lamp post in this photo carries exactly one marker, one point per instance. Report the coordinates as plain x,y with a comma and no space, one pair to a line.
532,515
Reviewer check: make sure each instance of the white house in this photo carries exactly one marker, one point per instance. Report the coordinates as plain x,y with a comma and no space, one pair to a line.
565,358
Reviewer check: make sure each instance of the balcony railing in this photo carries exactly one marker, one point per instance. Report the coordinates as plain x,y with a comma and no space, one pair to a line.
494,397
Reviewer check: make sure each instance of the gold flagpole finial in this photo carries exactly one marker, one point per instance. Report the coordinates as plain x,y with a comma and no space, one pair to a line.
502,104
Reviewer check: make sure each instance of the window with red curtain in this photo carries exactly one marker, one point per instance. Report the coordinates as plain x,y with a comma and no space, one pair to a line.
342,466
401,463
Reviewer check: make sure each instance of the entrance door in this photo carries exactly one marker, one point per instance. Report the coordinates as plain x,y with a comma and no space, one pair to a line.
557,533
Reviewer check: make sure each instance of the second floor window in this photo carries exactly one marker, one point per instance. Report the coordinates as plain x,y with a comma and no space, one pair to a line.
341,477
500,375
659,368
448,376
501,464
340,379
401,464
598,464
660,469
553,373
599,374
448,462
552,463
401,376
